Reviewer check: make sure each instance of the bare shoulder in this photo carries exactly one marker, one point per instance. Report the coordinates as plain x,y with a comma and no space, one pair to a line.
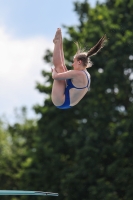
74,72
77,72
81,74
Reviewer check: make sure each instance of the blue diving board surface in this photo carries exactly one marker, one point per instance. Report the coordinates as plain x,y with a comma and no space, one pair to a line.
22,192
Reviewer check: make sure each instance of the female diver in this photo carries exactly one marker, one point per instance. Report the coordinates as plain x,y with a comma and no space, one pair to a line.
70,86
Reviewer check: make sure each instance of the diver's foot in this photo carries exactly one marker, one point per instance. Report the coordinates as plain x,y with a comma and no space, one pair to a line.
57,36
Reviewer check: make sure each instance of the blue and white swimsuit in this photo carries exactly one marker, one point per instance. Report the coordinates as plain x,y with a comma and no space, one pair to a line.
70,85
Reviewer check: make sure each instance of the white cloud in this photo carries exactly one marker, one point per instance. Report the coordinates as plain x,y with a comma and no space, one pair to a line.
21,63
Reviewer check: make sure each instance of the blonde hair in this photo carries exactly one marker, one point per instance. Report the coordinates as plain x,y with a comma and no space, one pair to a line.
85,56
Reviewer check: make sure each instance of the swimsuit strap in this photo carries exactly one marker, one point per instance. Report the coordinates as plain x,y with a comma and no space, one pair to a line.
70,84
87,77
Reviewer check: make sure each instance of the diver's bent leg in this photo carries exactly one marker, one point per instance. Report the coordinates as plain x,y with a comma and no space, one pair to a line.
62,55
57,95
58,88
58,59
57,36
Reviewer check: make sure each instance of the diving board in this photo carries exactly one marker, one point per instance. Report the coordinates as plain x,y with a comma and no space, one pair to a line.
22,192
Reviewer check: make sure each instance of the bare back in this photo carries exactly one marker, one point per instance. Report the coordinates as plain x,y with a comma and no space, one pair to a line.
81,85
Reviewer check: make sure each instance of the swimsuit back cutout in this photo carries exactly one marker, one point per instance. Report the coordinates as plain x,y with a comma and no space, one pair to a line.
70,84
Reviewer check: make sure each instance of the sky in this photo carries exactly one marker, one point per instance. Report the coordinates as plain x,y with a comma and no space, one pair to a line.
27,29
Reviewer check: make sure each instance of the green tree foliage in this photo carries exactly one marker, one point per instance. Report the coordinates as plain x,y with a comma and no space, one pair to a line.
5,158
17,149
86,152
